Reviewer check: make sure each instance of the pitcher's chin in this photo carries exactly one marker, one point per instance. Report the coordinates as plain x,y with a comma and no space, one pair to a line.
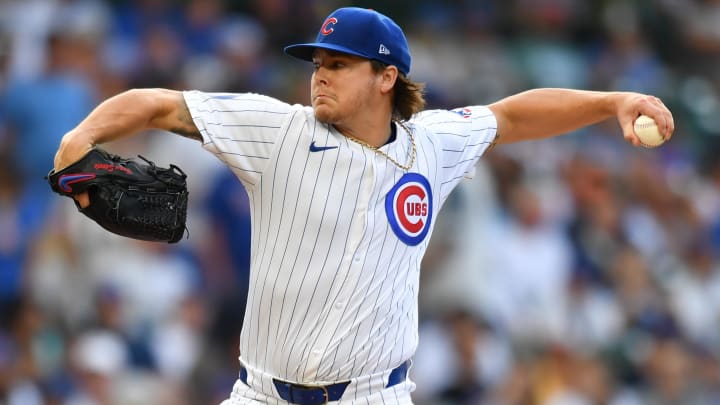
323,113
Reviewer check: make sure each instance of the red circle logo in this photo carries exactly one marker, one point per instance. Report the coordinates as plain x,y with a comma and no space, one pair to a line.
408,206
412,208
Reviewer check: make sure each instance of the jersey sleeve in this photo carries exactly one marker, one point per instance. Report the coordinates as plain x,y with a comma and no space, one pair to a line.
241,129
464,134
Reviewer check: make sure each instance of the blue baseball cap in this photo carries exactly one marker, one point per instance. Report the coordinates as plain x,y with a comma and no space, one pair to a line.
360,32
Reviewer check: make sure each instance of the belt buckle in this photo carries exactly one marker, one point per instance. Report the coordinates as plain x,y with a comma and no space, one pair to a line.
326,394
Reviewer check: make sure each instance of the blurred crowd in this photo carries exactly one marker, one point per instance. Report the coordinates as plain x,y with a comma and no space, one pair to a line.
572,271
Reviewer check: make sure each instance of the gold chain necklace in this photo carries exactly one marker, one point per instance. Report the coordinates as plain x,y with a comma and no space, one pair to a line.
390,158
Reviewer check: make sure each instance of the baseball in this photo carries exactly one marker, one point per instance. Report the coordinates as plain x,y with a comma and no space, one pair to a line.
648,132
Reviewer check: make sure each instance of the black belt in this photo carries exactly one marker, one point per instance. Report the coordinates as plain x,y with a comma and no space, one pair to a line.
318,395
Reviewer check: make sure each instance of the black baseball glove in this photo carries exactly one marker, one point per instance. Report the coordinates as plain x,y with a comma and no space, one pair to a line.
134,199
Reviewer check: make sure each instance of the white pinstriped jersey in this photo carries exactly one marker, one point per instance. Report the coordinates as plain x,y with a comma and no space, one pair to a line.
338,231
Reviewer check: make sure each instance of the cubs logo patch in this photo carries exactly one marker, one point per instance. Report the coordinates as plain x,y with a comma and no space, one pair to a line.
409,207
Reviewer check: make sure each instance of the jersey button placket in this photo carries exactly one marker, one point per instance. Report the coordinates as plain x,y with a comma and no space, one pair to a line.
361,209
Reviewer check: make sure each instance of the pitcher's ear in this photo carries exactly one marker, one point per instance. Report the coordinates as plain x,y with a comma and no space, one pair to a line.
389,77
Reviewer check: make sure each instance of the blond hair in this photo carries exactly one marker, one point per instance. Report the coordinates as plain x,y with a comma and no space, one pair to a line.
408,96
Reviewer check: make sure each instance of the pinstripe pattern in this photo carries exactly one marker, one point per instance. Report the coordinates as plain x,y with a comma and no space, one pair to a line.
333,291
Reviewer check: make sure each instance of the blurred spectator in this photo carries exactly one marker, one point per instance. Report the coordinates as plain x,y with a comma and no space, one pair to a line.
177,342
698,21
530,262
39,110
129,25
228,252
627,62
109,317
456,264
595,320
160,53
23,351
21,216
27,24
563,377
288,20
544,49
462,358
97,359
595,230
694,295
203,21
659,222
668,368
638,292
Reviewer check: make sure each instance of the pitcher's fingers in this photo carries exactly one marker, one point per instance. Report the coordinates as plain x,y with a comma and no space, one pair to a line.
83,199
664,118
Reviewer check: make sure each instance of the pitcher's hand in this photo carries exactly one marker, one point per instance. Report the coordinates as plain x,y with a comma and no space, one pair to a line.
69,152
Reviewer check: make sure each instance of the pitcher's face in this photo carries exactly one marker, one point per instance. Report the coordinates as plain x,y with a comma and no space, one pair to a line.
342,85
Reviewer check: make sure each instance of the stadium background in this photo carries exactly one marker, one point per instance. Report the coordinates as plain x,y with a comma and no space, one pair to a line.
578,270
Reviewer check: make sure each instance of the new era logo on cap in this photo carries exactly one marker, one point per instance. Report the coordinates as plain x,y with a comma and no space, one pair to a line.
360,32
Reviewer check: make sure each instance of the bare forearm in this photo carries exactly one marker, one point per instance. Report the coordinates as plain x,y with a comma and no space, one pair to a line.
543,113
120,116
124,115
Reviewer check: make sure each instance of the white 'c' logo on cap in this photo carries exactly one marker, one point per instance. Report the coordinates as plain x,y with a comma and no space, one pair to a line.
326,28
